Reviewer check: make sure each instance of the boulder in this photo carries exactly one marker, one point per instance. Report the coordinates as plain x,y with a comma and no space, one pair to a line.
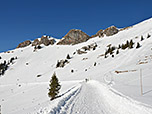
24,44
111,31
73,37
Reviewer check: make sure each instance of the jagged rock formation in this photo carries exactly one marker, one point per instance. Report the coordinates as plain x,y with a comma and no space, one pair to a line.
36,42
24,44
111,31
99,33
43,40
73,37
108,32
52,41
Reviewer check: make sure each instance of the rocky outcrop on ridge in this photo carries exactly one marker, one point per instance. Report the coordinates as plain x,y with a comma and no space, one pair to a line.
99,33
24,44
73,37
108,32
43,40
111,31
36,42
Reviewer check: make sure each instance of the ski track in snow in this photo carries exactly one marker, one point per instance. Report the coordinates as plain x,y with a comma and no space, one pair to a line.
96,98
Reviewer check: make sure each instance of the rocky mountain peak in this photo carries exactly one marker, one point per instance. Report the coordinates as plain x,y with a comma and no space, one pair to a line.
73,37
46,40
24,44
111,31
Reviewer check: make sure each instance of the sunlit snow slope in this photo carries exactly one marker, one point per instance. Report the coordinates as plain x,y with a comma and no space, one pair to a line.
24,87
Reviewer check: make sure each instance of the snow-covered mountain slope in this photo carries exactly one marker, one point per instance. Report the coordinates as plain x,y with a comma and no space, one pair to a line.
24,86
99,99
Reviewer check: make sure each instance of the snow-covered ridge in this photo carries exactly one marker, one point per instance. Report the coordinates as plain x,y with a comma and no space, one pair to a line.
24,86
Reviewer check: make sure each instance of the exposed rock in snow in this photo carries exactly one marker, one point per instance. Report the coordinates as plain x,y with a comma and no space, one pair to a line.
45,40
74,36
24,44
36,42
111,31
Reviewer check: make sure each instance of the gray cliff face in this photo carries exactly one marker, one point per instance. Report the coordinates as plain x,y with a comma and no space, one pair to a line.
73,37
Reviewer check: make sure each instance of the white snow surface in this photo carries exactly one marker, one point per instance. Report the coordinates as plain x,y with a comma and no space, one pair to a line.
24,86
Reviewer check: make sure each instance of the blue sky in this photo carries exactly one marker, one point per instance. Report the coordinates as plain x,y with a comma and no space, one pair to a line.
22,20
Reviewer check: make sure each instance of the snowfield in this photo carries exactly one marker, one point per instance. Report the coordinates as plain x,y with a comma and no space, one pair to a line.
96,98
113,86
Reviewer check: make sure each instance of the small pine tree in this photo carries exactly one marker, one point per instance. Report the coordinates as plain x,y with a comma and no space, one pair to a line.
106,52
117,52
105,56
131,44
142,38
119,46
54,87
148,36
138,45
127,43
68,56
123,46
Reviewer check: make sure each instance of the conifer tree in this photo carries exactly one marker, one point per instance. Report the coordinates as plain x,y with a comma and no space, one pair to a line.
119,46
117,52
131,44
142,38
68,56
138,45
54,87
148,36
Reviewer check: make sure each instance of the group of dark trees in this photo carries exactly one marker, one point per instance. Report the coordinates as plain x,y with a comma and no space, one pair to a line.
63,62
4,65
127,45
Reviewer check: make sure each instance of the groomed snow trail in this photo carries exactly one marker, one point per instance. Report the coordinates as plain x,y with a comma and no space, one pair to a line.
96,98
